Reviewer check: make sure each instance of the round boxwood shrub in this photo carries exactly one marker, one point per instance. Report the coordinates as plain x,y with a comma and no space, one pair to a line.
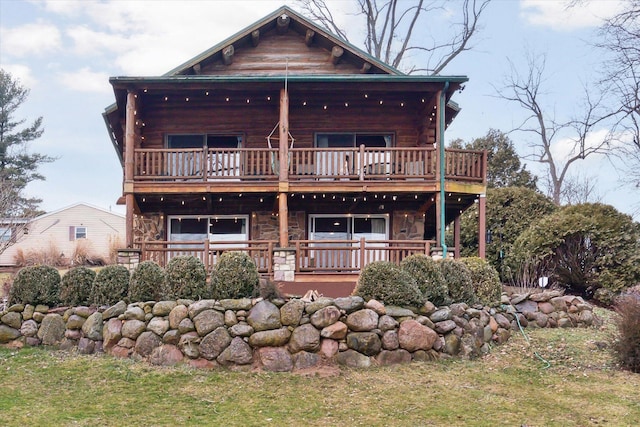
187,278
428,277
147,283
234,276
111,285
458,278
75,287
485,279
38,284
388,283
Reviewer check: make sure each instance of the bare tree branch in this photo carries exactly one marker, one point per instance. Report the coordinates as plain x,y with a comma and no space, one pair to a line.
391,26
576,134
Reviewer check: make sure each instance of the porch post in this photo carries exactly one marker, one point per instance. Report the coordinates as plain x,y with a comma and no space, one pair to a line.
129,141
482,225
456,237
283,210
442,105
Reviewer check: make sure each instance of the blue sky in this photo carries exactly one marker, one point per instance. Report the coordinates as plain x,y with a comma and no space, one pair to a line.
65,51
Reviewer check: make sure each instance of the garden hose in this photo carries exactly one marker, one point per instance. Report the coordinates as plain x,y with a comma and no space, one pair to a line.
535,353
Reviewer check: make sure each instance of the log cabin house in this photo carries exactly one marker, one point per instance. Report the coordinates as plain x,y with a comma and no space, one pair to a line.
288,143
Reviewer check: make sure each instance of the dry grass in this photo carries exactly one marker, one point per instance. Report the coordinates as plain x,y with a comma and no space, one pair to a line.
511,386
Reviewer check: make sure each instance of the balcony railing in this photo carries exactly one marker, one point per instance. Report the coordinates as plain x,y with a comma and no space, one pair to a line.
322,256
363,163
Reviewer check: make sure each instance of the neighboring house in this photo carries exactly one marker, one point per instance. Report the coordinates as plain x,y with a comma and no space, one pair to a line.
295,146
95,229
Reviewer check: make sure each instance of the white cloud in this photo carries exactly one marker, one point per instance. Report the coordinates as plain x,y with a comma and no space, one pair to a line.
559,16
86,80
30,39
22,73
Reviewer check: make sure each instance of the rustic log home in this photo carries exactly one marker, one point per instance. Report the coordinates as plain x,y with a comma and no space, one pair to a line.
288,143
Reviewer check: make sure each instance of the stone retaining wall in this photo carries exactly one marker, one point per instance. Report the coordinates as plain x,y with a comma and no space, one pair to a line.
281,335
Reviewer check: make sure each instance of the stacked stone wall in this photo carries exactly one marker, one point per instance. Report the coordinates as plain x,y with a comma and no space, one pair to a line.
280,335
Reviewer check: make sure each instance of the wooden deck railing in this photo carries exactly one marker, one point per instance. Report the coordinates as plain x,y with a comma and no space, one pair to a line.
362,163
348,256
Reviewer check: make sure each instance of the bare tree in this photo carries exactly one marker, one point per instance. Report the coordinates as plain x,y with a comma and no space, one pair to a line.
12,227
620,43
580,188
526,91
392,24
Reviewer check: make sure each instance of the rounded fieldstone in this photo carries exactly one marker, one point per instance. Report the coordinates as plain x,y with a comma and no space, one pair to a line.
73,334
86,346
199,306
362,320
163,308
12,319
92,327
305,360
394,311
367,343
111,333
304,338
325,316
29,328
241,330
236,304
230,318
445,326
51,329
115,310
353,359
158,326
166,355
84,311
451,344
75,322
133,328
134,313
393,357
270,338
177,314
214,343
146,342
390,340
172,337
275,359
27,313
376,306
291,312
316,305
441,315
349,304
387,323
238,353
337,331
413,336
264,316
18,308
186,325
7,333
207,321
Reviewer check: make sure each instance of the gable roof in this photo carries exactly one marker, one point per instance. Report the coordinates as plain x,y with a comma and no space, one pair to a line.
298,23
66,208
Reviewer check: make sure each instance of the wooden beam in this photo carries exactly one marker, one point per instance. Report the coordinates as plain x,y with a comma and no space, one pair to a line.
283,136
365,68
482,226
336,53
456,237
427,205
197,68
227,54
283,220
308,38
129,201
282,25
255,38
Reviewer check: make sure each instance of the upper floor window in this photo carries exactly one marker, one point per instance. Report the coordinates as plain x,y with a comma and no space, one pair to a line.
204,140
5,234
77,232
353,139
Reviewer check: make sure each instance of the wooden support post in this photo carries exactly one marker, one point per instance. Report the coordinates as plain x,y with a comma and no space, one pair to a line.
438,225
336,53
482,226
284,135
283,219
282,25
308,38
255,38
456,237
227,54
129,143
365,68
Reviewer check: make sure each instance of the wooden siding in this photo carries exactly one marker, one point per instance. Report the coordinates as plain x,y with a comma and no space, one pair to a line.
274,53
51,231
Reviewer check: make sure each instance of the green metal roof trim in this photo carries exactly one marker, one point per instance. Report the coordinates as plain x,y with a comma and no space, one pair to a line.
267,19
372,78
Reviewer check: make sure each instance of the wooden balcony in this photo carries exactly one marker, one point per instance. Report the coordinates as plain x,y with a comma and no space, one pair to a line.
312,256
248,165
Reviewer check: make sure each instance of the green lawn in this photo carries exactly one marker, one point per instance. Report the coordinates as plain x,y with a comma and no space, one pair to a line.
511,386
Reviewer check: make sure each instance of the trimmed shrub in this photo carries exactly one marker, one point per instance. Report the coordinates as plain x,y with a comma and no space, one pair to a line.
485,279
584,247
75,287
388,283
111,285
147,283
38,284
626,346
458,278
428,277
187,278
234,276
